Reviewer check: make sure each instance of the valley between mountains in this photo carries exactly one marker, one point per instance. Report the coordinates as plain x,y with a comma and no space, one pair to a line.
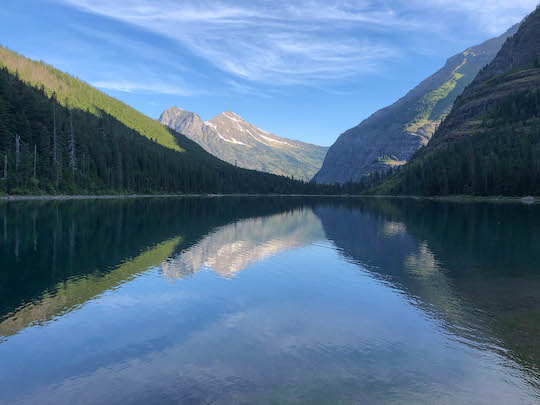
471,128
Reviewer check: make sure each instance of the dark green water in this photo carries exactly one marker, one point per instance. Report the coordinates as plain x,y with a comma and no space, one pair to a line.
245,300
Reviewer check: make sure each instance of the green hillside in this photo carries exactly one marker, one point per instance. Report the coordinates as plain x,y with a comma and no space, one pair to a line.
78,94
60,135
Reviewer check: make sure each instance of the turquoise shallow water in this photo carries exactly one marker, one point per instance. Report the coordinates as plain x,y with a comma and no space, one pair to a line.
269,300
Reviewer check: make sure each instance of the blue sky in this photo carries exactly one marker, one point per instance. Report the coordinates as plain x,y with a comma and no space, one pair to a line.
306,69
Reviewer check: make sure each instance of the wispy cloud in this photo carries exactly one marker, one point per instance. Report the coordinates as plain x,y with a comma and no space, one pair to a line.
272,42
243,88
142,87
142,48
491,16
283,42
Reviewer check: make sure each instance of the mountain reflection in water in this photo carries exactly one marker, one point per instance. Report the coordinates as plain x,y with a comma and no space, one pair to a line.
231,248
269,300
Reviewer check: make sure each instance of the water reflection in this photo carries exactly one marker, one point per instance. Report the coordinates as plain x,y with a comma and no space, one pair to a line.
290,300
474,266
66,296
231,248
58,255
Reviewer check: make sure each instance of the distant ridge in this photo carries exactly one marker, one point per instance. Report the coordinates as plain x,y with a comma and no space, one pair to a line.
234,140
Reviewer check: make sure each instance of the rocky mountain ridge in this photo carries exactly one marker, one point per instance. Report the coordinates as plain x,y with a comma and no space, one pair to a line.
234,140
390,136
490,142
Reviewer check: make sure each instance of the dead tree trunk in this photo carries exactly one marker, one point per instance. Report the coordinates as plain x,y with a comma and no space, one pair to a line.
55,140
35,160
72,157
55,148
17,153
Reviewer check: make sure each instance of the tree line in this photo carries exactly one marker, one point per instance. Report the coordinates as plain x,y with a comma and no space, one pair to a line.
502,157
47,147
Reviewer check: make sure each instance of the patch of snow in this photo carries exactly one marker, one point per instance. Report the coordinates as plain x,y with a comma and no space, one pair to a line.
231,141
258,140
271,139
240,126
209,124
233,118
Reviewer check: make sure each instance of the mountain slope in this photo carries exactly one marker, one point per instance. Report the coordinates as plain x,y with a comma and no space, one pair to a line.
58,134
490,142
78,94
389,137
238,142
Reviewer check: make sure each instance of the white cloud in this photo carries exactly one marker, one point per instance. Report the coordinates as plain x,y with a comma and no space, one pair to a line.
141,87
272,42
491,16
283,42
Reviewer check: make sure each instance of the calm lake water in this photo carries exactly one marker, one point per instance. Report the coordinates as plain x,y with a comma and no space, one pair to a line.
269,300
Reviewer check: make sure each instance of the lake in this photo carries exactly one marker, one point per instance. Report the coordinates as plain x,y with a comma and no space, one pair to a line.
269,300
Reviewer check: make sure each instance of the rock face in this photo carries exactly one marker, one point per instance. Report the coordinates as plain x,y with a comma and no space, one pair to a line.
392,135
489,144
238,142
514,71
520,50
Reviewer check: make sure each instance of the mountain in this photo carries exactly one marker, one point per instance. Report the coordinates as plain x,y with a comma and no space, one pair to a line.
490,142
60,135
389,137
238,142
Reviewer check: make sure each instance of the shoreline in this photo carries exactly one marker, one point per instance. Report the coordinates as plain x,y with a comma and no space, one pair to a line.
457,198
527,200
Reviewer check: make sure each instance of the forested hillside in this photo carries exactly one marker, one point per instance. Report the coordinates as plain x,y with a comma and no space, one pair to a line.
490,142
78,94
59,135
